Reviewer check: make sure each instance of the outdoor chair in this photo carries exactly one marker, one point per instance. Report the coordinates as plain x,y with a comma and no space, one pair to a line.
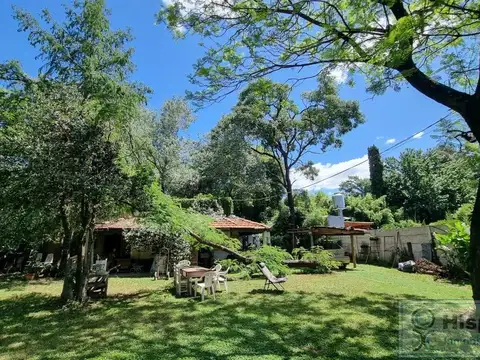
271,280
222,279
100,266
159,266
207,284
181,283
48,260
184,263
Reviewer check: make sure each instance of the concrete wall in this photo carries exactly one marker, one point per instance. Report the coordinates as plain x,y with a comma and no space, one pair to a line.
388,240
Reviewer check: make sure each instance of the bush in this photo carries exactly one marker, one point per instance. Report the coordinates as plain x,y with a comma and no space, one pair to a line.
272,256
455,247
237,269
324,259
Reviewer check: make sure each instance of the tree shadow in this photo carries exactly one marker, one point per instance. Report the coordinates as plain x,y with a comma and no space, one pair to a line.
156,325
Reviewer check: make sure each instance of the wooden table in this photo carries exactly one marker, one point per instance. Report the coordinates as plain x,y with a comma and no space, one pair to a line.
193,272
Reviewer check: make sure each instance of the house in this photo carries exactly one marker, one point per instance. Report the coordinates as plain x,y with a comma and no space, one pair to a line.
110,242
250,233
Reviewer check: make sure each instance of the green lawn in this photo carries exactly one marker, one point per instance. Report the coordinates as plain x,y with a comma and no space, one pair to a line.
346,315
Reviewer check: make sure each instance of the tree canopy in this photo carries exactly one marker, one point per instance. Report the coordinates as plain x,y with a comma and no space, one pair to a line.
278,130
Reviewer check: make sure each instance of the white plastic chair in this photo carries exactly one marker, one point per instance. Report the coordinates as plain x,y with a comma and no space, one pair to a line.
38,258
222,279
48,259
100,265
207,284
183,263
181,283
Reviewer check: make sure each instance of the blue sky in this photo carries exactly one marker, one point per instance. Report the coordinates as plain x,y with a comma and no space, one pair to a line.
163,64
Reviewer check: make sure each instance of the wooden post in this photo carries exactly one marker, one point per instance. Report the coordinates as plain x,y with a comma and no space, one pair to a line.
354,256
311,239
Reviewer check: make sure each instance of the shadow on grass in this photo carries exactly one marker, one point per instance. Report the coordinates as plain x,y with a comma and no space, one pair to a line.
155,325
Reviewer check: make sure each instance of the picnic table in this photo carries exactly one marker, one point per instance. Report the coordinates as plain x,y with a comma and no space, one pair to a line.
193,272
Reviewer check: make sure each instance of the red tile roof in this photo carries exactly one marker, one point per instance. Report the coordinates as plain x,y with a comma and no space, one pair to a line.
119,224
235,222
221,223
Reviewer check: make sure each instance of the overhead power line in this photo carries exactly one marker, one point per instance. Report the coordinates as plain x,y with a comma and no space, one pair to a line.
400,143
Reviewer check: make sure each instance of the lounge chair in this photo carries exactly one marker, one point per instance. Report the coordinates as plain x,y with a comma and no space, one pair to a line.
270,279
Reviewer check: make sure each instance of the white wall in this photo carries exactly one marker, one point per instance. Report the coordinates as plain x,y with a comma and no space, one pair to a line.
388,240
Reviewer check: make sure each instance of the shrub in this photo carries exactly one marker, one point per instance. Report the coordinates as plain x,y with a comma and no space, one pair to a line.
324,259
272,256
233,265
455,246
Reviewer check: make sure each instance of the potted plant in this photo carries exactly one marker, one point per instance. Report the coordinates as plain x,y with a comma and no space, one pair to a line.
31,271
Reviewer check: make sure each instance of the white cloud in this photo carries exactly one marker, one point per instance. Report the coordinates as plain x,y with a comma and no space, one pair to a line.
418,135
327,170
339,74
390,141
380,137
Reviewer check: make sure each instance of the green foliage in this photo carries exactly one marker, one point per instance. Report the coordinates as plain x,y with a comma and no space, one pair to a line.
455,246
277,129
61,132
168,216
369,208
376,171
401,224
424,43
272,256
324,259
464,213
233,265
154,139
429,185
206,204
227,205
228,169
355,186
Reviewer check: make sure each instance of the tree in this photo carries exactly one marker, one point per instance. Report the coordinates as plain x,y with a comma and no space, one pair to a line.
229,169
154,139
429,185
369,208
71,113
277,129
65,167
376,171
355,186
431,45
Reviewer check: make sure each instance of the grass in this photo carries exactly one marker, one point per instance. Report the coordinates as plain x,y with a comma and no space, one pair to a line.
346,315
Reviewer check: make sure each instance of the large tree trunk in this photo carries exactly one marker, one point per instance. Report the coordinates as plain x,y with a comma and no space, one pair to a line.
472,117
292,223
65,250
475,252
67,238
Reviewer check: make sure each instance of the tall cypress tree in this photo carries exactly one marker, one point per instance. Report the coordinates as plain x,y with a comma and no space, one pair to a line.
376,171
